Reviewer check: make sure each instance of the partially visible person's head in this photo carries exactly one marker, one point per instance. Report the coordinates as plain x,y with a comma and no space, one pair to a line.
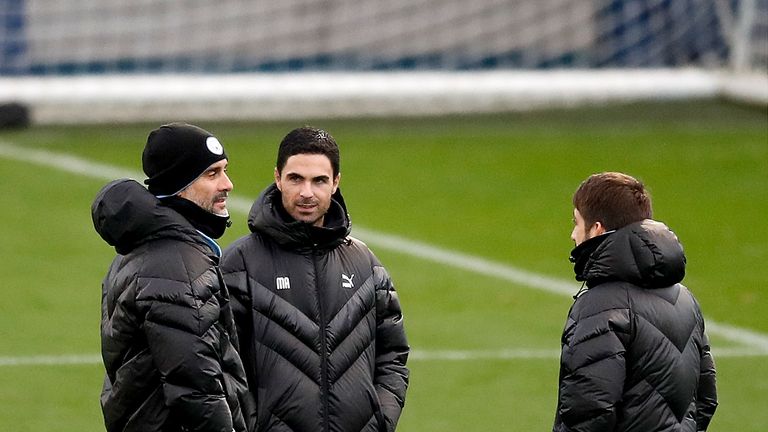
308,140
608,201
187,161
307,173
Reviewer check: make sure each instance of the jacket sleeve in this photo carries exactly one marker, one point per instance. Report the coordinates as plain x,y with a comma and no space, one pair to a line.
391,375
592,370
706,394
236,281
182,336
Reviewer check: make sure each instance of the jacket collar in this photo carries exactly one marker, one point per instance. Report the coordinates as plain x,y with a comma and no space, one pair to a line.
268,217
645,253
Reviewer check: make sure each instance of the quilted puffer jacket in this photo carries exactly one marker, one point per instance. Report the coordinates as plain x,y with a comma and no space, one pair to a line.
167,332
635,357
320,324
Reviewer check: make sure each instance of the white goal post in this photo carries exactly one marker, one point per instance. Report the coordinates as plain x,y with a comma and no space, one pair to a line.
73,61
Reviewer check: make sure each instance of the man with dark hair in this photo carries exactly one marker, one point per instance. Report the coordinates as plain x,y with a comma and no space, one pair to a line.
167,333
320,323
635,357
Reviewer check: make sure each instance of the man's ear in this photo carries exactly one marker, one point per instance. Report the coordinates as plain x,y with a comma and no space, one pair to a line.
597,229
336,183
277,179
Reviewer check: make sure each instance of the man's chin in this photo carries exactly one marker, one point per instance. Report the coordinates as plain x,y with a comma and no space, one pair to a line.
309,219
219,210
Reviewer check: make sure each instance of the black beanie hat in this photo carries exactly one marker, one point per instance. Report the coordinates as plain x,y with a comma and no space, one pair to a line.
175,156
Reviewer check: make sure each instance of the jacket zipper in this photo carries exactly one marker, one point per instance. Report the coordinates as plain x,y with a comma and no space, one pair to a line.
324,384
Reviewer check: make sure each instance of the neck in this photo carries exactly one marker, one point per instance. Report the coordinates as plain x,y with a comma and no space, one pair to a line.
210,224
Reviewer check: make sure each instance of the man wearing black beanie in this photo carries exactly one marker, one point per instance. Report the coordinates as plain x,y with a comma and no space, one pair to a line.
186,165
169,343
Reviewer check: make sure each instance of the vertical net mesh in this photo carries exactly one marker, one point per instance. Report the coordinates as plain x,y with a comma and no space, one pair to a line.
195,36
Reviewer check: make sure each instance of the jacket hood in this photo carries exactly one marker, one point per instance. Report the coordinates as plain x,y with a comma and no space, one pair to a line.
126,215
646,253
268,217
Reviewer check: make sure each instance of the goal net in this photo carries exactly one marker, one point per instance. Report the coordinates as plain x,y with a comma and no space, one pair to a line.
350,56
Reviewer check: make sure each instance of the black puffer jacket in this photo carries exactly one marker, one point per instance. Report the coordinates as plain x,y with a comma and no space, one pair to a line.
320,324
168,337
635,357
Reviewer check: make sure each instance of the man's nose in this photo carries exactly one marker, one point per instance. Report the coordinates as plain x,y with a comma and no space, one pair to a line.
227,183
306,190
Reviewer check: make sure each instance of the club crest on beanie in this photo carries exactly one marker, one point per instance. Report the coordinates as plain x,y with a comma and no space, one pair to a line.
175,156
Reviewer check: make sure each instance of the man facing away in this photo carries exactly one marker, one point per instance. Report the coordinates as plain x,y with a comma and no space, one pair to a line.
167,332
635,356
320,324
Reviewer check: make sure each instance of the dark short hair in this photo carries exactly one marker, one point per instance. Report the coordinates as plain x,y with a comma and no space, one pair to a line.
614,199
308,140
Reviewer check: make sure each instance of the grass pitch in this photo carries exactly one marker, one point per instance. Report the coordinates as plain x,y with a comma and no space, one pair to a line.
496,187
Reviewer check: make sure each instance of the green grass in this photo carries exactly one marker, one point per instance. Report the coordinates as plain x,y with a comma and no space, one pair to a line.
497,186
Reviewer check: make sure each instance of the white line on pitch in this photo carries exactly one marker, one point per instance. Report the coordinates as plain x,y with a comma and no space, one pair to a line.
544,354
84,167
51,360
415,355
